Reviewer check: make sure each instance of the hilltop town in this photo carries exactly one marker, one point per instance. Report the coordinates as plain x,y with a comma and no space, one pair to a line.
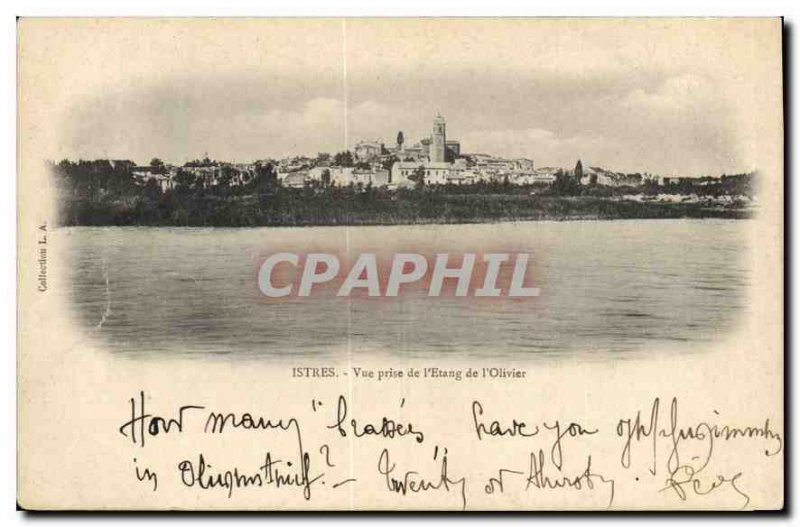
431,180
433,160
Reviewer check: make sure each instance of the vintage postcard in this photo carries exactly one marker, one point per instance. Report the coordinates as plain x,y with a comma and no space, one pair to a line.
400,264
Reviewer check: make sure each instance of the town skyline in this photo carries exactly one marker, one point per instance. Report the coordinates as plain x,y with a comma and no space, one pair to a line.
421,153
545,147
436,159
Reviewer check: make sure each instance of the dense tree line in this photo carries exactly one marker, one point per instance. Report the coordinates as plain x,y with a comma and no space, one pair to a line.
104,193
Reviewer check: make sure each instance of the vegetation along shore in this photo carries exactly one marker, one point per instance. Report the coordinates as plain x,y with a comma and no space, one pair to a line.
104,193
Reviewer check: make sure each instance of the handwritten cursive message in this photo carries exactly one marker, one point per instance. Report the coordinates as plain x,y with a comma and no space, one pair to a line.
494,461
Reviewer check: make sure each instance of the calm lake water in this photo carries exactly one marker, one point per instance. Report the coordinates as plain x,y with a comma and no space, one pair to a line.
608,287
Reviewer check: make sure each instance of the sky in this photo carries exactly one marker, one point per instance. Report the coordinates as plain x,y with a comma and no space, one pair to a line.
646,97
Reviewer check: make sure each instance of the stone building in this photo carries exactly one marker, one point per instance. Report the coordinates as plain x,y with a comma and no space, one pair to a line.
367,151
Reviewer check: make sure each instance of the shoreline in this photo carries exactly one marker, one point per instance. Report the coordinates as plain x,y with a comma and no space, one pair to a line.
683,212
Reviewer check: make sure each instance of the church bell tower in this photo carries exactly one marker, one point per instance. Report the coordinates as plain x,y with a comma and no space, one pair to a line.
438,139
